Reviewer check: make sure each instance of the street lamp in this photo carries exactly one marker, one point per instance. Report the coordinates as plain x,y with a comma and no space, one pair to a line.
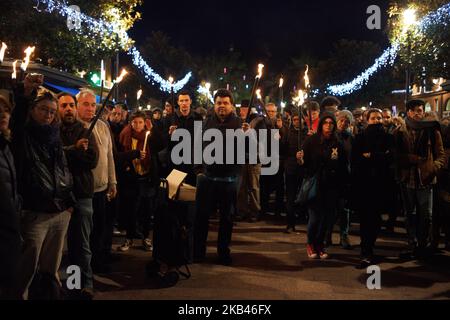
409,19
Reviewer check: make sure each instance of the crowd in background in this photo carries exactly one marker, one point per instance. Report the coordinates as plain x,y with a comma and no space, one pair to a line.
65,177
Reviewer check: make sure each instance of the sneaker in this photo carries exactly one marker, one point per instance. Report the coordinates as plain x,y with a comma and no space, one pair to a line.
126,246
312,254
321,250
147,244
345,243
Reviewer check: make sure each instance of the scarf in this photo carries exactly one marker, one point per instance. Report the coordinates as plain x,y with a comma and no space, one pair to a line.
126,137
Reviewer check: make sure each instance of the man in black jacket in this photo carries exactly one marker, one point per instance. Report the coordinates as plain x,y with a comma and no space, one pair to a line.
44,182
217,182
185,118
82,156
291,144
10,242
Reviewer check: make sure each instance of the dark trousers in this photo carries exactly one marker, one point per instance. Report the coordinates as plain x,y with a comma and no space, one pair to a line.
210,196
99,229
370,224
293,182
186,214
319,219
139,198
270,184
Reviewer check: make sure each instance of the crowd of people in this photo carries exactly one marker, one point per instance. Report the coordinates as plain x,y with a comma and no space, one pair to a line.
66,177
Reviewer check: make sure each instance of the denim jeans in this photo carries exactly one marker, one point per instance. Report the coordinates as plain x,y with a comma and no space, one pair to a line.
78,240
212,195
43,235
418,206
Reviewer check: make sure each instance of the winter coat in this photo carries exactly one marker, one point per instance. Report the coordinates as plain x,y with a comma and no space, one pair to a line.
220,170
126,155
371,176
325,158
410,152
44,180
80,162
10,241
186,123
290,145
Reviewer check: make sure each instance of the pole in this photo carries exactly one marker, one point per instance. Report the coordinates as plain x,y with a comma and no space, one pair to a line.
408,70
252,96
300,115
97,116
101,91
172,97
116,92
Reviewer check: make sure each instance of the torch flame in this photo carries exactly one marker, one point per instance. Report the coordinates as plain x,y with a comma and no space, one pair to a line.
171,80
300,99
122,75
208,86
139,94
306,77
258,94
29,51
2,51
14,74
281,82
260,70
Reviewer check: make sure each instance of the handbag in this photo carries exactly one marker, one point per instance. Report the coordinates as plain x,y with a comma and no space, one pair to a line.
308,190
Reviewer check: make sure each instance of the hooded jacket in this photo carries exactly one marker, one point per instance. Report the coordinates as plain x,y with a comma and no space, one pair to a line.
326,158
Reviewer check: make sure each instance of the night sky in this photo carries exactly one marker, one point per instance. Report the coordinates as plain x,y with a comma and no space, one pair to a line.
270,30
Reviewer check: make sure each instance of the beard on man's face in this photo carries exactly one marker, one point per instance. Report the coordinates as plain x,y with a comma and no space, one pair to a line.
68,118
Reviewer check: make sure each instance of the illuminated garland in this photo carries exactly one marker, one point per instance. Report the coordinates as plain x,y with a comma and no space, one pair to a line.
439,17
103,28
153,77
204,91
387,58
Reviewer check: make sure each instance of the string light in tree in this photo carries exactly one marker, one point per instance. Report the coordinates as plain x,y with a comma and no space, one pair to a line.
439,17
102,28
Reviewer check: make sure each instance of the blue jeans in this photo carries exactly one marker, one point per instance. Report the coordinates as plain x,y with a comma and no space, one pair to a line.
418,206
78,240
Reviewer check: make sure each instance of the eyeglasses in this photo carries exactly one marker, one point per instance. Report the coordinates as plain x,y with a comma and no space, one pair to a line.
45,110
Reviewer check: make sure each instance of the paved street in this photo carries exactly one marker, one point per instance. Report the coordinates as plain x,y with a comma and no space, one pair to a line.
269,264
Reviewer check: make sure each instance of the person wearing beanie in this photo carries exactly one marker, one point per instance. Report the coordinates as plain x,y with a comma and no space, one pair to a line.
324,158
330,104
